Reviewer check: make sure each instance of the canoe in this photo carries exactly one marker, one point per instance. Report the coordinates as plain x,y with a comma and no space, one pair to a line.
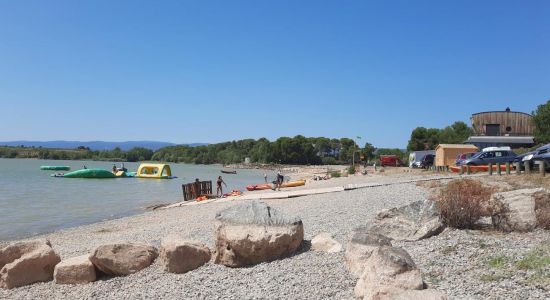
293,183
259,187
476,169
55,168
228,172
90,173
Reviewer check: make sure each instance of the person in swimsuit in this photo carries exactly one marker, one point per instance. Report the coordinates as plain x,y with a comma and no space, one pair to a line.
219,190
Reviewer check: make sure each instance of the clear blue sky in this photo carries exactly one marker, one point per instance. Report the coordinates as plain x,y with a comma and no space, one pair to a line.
211,71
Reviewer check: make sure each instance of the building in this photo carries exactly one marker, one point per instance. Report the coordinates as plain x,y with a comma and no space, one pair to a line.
501,128
446,154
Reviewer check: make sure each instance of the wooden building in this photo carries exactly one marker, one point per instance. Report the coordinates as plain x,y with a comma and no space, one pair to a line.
502,128
502,123
445,154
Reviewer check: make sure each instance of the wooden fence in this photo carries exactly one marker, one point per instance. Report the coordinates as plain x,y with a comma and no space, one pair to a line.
195,189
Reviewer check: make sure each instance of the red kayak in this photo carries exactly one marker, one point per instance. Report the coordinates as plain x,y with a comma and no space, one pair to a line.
258,187
475,169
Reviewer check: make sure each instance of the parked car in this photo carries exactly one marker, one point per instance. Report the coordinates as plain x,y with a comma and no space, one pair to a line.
464,156
491,155
427,161
390,160
526,157
542,154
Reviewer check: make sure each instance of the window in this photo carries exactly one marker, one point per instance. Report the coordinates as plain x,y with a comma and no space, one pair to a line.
498,154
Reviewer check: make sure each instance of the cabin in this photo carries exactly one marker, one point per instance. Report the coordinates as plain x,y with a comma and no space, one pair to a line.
156,171
502,128
445,154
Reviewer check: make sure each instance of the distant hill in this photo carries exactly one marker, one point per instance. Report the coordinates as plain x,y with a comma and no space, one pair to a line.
94,145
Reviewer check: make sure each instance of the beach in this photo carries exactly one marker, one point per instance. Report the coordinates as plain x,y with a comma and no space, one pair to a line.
449,262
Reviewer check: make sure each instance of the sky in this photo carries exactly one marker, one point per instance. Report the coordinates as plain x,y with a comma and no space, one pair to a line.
213,71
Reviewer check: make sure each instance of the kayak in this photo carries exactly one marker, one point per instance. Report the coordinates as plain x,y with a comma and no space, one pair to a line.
293,183
55,168
88,173
475,169
228,172
259,187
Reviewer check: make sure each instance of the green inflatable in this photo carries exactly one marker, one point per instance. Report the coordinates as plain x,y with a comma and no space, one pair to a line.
88,173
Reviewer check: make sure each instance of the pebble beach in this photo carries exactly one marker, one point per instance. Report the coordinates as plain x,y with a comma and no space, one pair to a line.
453,262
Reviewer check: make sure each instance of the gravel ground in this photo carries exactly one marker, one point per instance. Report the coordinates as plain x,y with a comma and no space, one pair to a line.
306,275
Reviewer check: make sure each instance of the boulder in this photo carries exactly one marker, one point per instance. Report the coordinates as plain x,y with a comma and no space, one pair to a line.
253,232
180,256
123,258
515,210
75,270
388,272
413,222
429,294
23,263
363,242
325,242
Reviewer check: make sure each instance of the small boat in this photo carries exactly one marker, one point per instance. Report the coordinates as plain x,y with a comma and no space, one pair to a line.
475,169
87,173
154,171
259,187
293,183
55,168
228,172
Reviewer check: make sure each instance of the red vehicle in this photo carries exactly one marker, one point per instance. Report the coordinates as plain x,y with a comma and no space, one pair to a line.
390,160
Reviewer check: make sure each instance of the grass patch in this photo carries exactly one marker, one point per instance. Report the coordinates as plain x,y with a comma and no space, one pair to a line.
449,250
498,261
491,277
537,260
482,244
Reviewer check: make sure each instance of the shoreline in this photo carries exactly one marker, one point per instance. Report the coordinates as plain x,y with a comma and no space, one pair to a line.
318,275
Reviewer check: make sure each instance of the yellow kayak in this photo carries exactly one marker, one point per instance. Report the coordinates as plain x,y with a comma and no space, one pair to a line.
293,183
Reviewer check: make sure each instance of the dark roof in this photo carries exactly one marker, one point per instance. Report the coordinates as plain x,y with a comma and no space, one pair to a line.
501,111
501,139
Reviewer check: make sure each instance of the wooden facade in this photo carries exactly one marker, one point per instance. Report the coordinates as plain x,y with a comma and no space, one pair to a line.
195,189
445,154
502,123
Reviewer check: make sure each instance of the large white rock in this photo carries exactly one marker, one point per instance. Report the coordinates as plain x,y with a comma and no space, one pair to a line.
324,242
123,258
23,263
253,232
515,210
388,272
416,221
363,242
180,256
428,294
75,270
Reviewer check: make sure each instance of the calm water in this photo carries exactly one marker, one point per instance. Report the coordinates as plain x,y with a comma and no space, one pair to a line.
32,202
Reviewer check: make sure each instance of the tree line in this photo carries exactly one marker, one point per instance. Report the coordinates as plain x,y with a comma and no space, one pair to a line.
81,153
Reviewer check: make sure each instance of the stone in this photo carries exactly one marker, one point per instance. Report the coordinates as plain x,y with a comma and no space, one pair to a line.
253,232
123,258
428,294
515,210
413,222
363,242
388,272
23,263
75,270
180,256
325,242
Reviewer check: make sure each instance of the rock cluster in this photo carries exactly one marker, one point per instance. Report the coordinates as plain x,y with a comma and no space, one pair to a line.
75,270
180,256
516,210
324,242
123,259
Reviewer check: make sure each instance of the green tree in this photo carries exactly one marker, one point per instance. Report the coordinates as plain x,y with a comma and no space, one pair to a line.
541,123
368,151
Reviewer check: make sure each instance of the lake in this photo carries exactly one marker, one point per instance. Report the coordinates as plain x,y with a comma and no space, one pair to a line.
32,202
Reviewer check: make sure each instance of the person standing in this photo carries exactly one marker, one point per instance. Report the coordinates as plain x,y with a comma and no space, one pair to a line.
219,189
265,177
280,179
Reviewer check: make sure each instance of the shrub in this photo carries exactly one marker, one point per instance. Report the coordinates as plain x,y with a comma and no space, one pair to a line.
542,209
351,170
462,202
335,174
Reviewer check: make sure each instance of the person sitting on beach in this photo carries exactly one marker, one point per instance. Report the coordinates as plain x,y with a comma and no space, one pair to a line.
219,189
